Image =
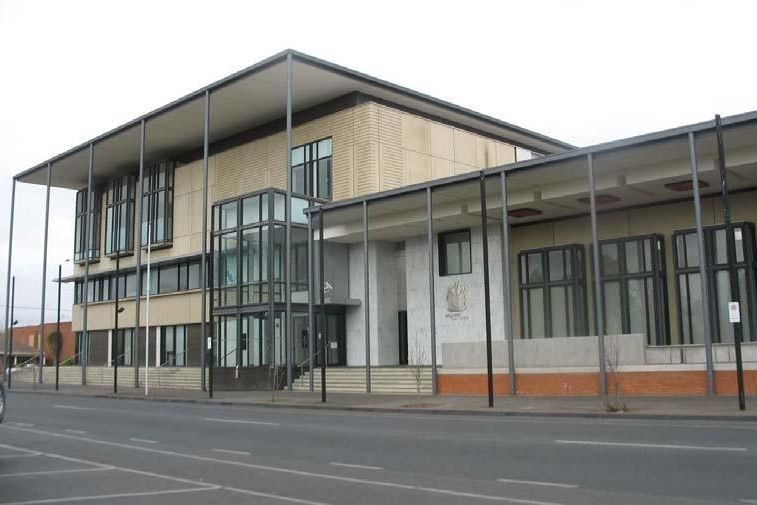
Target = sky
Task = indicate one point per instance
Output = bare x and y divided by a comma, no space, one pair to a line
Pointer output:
581,71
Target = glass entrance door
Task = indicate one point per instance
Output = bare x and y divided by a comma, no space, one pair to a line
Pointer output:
336,348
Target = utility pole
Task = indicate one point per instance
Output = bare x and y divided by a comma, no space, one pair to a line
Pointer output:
10,336
116,310
57,333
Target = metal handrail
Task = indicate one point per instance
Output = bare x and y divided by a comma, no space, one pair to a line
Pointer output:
63,363
176,356
301,365
24,362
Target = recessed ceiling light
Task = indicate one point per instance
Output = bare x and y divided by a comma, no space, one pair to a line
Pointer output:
600,199
524,212
687,185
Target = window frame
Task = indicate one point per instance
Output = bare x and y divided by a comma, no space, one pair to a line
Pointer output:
82,249
114,202
441,244
311,169
658,274
152,190
577,322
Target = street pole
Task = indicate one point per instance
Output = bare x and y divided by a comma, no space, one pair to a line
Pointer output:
115,331
731,253
147,302
57,333
10,337
322,318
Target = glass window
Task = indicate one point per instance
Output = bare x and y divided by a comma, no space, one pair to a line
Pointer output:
454,253
227,216
87,244
634,284
298,210
157,204
311,169
193,281
119,214
169,279
250,210
552,305
719,272
279,207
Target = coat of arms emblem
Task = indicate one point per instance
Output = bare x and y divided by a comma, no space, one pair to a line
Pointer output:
456,297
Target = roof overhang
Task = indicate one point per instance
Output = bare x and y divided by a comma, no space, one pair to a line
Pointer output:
248,99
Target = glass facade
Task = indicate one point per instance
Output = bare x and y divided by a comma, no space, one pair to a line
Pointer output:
119,216
87,242
311,169
157,204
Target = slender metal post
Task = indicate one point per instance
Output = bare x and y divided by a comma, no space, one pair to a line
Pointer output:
487,297
210,360
702,267
41,357
366,302
10,332
507,288
204,261
289,330
431,287
599,315
87,246
731,250
138,297
8,277
322,320
57,332
115,338
271,294
311,303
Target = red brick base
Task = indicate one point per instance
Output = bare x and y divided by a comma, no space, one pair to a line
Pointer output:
674,383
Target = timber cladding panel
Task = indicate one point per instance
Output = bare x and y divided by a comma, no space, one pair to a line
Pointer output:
375,148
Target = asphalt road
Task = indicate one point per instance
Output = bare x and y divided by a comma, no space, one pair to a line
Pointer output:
59,449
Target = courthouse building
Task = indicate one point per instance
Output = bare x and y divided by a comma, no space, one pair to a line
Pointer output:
436,228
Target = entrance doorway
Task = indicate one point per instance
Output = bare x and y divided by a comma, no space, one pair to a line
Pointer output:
402,329
336,341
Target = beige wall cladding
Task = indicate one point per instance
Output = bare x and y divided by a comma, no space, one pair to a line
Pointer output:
391,153
366,149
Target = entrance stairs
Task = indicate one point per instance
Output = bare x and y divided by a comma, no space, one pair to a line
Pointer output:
393,380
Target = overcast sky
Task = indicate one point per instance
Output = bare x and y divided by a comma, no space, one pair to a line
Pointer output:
582,72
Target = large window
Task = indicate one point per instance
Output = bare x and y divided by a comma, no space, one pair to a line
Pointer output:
552,292
173,345
119,216
157,204
718,271
634,287
454,253
87,242
311,169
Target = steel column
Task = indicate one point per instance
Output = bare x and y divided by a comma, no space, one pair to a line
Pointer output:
431,287
138,240
271,292
289,332
507,288
702,266
598,313
322,320
57,332
87,245
366,301
41,357
311,298
487,297
8,275
204,261
10,333
115,304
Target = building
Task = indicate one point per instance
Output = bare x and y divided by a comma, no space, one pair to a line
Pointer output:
26,344
296,166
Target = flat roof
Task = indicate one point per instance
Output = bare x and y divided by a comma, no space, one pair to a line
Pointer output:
253,97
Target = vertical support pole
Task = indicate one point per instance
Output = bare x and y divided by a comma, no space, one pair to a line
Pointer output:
702,268
115,338
271,292
41,357
287,256
87,246
10,332
8,364
599,315
311,303
57,332
138,297
487,297
204,261
322,320
431,287
507,287
731,252
366,301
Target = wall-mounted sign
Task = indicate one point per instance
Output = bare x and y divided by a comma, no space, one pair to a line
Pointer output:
457,301
734,314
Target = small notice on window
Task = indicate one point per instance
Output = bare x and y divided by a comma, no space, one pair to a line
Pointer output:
333,345
734,314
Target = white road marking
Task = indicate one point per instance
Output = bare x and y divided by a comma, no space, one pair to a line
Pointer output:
12,456
76,432
745,500
111,496
229,451
71,407
143,440
653,446
25,425
52,472
240,421
289,471
538,483
350,465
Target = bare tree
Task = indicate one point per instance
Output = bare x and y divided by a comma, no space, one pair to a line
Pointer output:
417,360
613,403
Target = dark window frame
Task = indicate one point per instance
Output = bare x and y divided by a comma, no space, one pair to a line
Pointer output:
577,322
442,240
657,272
82,249
711,269
311,167
152,191
115,203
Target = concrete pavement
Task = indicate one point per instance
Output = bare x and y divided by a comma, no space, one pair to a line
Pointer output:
98,450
